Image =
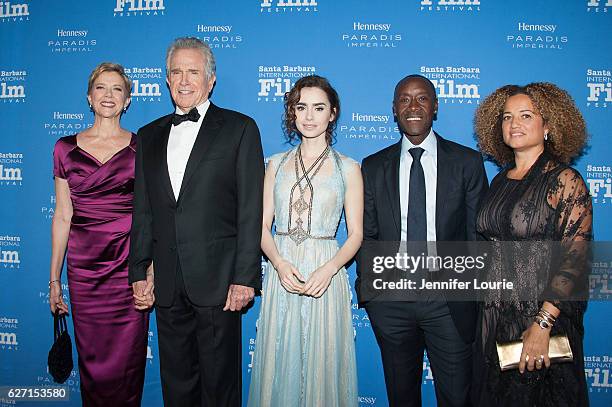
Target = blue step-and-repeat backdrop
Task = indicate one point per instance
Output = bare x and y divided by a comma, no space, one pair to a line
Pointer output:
467,48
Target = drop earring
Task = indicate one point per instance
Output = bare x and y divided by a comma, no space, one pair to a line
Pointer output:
545,136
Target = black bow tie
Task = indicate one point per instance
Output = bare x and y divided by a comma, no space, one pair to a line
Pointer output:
192,116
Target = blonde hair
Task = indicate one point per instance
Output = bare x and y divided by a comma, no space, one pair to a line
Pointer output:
109,67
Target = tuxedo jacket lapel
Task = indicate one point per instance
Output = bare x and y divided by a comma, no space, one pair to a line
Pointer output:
391,168
161,156
209,130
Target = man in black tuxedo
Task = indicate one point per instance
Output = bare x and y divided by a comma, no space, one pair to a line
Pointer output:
424,188
197,217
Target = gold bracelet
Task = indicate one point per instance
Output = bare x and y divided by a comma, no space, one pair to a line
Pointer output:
55,281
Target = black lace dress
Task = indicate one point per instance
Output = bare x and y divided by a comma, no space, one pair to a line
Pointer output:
551,203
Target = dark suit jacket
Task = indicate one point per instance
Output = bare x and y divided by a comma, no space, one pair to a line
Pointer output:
461,184
214,228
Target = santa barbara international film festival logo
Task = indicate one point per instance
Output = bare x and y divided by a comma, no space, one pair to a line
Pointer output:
450,5
9,327
530,36
600,279
599,84
365,125
9,252
147,83
371,35
132,8
220,36
10,169
288,6
597,372
598,6
12,12
599,181
12,86
276,80
457,85
68,40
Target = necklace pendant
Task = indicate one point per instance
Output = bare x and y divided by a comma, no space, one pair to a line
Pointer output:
298,234
300,206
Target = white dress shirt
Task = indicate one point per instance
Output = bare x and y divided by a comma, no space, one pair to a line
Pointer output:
429,161
180,144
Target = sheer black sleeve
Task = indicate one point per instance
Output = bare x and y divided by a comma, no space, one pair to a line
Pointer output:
568,278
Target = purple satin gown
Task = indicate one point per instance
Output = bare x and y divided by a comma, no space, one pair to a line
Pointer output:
110,335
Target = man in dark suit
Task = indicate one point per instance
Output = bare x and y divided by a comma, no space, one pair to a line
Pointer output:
424,188
197,217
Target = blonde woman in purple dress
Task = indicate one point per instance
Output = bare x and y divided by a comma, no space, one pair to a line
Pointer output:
94,181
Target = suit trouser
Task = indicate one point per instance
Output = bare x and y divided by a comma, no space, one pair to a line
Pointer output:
403,331
200,353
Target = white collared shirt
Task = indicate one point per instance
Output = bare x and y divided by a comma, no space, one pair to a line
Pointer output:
180,143
429,161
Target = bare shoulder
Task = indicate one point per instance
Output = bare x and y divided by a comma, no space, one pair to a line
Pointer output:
350,167
347,161
275,159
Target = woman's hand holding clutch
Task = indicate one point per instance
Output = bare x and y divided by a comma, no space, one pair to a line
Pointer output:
535,348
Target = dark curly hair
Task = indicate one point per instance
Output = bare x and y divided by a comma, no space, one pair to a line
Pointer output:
293,97
567,130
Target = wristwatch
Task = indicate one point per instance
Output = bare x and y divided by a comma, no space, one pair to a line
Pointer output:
544,324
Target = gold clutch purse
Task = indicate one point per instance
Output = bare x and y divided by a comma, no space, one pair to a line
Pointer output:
509,353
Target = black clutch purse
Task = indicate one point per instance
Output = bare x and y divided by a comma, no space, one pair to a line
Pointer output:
60,355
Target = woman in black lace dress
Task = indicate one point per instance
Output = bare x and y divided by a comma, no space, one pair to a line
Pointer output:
533,132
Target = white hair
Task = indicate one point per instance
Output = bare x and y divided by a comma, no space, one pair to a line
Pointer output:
193,43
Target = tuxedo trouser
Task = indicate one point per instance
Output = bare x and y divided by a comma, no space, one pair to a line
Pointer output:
200,352
403,331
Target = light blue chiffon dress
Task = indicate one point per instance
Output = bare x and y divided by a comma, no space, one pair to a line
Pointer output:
305,347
